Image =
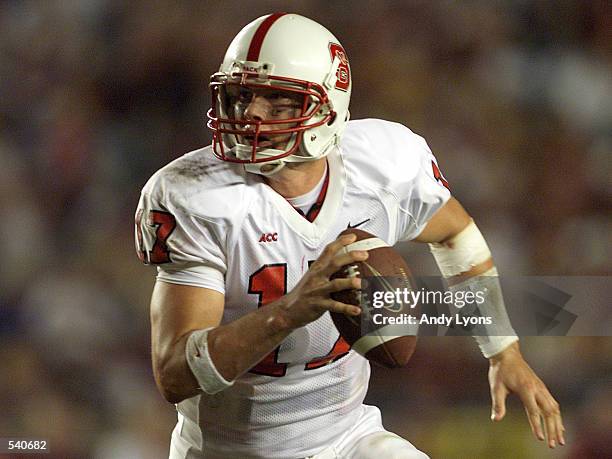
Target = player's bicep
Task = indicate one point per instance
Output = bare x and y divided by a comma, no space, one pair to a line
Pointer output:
447,222
178,309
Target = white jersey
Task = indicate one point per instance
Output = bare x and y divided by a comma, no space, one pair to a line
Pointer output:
210,224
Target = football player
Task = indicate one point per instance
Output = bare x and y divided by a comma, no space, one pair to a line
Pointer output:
244,235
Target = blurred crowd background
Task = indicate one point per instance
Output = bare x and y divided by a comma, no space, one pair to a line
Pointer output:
514,97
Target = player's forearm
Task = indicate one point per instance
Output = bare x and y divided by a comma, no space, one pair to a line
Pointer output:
239,345
173,377
465,262
233,348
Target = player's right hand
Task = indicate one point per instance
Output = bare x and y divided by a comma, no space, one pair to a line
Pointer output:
311,296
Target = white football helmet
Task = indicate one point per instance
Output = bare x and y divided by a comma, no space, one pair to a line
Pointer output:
302,59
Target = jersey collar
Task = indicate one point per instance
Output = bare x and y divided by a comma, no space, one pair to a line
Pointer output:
322,215
315,206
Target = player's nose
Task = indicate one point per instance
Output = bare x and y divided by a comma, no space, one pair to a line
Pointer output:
258,109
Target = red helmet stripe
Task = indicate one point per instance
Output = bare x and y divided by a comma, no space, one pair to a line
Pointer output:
260,34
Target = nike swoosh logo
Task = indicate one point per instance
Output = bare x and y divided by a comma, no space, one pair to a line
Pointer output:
358,224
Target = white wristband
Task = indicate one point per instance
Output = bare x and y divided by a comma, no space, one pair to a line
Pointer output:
202,367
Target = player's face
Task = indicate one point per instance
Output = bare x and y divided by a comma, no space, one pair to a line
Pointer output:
265,104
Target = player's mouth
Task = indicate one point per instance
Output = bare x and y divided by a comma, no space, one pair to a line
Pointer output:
262,141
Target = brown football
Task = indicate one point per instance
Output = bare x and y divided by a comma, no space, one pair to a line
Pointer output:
384,271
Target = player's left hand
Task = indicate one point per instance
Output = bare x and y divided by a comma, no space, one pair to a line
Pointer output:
508,372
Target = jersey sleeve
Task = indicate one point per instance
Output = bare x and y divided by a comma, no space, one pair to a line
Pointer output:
423,193
187,249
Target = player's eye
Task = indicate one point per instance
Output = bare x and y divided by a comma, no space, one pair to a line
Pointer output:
282,109
275,96
245,95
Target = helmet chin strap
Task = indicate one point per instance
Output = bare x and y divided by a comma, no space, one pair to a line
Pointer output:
266,169
269,168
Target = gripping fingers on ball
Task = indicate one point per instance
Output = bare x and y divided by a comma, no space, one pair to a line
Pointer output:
345,259
333,247
342,308
339,284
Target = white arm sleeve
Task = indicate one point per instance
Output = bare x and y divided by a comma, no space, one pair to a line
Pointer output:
422,194
196,276
187,249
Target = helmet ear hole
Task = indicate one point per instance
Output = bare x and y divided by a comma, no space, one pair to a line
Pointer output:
334,115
